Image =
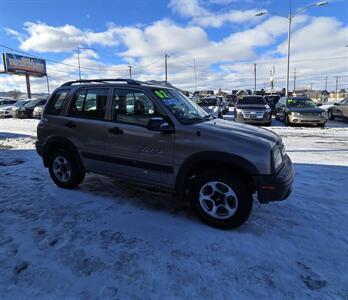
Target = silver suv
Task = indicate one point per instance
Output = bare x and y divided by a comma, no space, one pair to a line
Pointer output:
155,135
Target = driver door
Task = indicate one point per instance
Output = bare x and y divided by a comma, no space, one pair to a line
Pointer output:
134,151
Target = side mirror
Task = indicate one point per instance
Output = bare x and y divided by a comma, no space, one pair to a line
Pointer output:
159,124
336,103
319,104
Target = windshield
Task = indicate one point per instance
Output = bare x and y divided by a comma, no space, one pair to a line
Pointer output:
251,100
185,110
20,103
301,103
208,102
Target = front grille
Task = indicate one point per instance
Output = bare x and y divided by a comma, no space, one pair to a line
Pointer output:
253,114
310,114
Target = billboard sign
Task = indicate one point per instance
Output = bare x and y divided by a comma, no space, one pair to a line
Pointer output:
21,65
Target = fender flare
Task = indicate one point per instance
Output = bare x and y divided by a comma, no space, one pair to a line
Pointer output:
64,143
211,156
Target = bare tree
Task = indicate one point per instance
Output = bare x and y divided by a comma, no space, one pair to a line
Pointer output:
14,94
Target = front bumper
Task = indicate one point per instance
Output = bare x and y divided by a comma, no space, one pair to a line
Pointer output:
253,118
314,119
25,113
278,186
39,148
5,113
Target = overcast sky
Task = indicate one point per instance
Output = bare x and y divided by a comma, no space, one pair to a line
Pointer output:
223,37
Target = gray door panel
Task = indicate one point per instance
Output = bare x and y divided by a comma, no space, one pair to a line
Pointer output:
140,153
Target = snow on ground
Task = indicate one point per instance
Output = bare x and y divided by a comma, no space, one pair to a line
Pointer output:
109,240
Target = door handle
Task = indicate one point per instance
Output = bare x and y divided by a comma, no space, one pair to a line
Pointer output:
70,124
116,130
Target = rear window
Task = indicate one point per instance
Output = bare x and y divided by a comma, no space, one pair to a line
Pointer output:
251,100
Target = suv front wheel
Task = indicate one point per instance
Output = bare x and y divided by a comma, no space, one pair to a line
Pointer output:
64,170
221,199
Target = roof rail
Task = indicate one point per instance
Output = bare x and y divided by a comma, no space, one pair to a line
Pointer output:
128,81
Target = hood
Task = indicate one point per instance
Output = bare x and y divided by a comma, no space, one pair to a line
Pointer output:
5,107
251,106
249,132
305,109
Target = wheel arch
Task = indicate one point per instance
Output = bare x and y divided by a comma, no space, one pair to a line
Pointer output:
57,142
209,160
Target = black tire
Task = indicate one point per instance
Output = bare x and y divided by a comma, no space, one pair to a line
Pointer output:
287,121
76,174
322,125
235,183
330,115
276,117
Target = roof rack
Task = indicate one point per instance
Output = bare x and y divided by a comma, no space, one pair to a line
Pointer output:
128,81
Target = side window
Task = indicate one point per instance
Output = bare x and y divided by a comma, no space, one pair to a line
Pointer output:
56,104
89,104
133,107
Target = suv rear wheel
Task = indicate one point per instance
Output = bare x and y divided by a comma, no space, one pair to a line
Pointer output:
221,199
64,170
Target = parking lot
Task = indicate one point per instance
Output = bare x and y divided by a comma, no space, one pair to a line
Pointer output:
109,239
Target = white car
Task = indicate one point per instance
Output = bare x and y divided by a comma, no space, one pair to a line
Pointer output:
6,111
38,111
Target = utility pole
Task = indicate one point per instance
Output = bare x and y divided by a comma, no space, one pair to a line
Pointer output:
255,79
166,67
326,83
130,72
27,79
294,81
194,67
336,87
78,59
289,47
311,86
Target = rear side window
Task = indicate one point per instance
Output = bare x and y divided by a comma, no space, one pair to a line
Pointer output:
89,104
57,102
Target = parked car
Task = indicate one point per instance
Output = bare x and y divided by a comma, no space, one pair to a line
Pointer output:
253,110
338,110
26,111
162,140
212,105
17,106
300,110
6,110
272,101
231,100
38,111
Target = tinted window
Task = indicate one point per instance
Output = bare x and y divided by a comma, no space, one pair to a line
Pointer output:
89,104
56,104
133,107
251,100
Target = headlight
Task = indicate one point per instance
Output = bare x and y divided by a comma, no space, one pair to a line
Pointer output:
277,157
239,111
324,114
296,114
268,109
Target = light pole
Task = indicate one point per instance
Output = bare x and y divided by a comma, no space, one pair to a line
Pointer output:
290,18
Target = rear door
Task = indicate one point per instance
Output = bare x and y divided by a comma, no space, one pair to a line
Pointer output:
133,151
85,127
344,108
